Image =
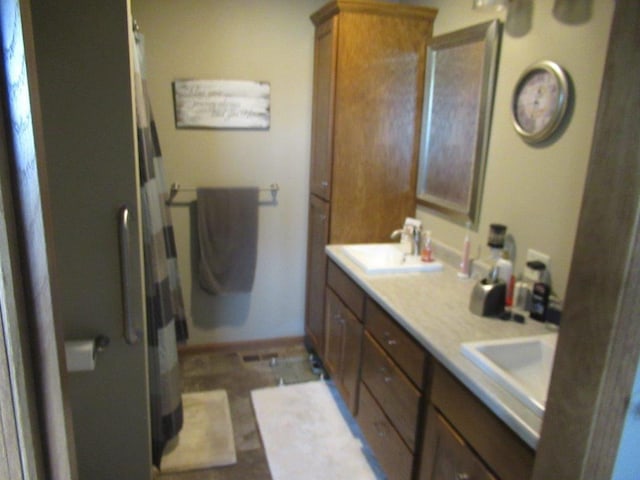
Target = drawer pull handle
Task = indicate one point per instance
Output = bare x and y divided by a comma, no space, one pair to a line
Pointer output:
462,476
380,429
388,339
324,184
388,379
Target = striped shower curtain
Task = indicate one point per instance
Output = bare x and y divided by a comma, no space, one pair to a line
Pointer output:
166,323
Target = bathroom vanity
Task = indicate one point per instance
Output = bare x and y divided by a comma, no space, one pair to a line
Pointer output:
427,411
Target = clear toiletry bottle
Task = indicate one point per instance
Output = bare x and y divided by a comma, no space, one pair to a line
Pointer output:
427,249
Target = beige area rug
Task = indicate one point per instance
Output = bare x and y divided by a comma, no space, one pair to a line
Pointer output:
305,436
206,438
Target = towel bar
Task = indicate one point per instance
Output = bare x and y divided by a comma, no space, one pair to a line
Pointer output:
177,188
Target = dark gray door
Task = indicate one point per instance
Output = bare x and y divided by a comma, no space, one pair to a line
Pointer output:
83,55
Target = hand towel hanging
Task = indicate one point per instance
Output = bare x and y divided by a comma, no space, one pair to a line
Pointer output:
228,239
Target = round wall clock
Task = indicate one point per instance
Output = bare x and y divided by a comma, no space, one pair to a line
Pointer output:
540,101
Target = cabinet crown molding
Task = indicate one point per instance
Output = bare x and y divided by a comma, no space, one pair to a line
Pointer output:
372,7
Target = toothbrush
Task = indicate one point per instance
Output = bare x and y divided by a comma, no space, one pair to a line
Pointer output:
466,247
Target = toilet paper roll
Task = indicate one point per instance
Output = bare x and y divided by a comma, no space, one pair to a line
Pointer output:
81,355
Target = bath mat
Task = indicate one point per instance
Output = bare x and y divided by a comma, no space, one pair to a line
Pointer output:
206,438
305,436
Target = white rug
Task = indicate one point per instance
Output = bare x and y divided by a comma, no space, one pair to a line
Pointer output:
305,436
206,438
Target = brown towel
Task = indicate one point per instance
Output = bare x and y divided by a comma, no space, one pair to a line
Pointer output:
228,238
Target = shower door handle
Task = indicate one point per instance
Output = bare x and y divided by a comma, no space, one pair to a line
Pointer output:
131,334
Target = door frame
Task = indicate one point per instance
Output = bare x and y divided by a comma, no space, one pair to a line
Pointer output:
599,343
33,338
30,311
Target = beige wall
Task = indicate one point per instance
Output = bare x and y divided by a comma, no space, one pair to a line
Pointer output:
535,191
250,40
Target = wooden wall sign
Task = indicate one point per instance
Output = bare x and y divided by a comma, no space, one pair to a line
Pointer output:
222,104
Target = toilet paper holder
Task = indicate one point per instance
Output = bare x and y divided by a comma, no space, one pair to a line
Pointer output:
100,344
81,354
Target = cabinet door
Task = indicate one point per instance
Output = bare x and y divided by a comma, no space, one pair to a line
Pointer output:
322,120
343,344
445,456
316,272
379,66
334,335
351,355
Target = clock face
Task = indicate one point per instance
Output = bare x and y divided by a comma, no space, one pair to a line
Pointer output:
540,101
537,101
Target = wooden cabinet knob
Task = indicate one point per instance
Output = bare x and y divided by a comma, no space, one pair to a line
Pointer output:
389,339
381,429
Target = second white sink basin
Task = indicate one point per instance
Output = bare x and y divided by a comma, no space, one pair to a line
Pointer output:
521,365
387,258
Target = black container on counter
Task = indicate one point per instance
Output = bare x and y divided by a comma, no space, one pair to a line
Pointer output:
539,301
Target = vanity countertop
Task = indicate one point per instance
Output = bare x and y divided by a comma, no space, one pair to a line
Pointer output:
434,308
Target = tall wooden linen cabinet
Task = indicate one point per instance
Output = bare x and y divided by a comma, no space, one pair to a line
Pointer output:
367,94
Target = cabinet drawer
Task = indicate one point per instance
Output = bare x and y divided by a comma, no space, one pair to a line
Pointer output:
350,293
400,346
507,455
392,454
397,396
445,454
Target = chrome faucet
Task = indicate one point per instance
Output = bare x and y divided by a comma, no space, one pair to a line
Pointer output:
415,235
397,233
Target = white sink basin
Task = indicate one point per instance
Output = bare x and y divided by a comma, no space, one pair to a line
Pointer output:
387,258
521,365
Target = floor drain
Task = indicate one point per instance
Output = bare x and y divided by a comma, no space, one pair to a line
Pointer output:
251,358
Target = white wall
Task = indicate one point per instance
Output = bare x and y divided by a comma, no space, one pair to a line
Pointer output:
250,40
535,191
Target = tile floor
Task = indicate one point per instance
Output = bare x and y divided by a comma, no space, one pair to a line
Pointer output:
239,373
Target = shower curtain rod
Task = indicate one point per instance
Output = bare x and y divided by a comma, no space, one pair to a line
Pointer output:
177,188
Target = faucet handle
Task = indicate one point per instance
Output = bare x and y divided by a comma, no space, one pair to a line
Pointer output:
412,222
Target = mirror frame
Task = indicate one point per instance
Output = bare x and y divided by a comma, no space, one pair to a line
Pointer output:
457,63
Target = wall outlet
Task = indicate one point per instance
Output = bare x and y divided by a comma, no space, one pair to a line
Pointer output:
533,255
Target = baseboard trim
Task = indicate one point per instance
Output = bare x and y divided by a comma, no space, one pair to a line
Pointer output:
263,344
